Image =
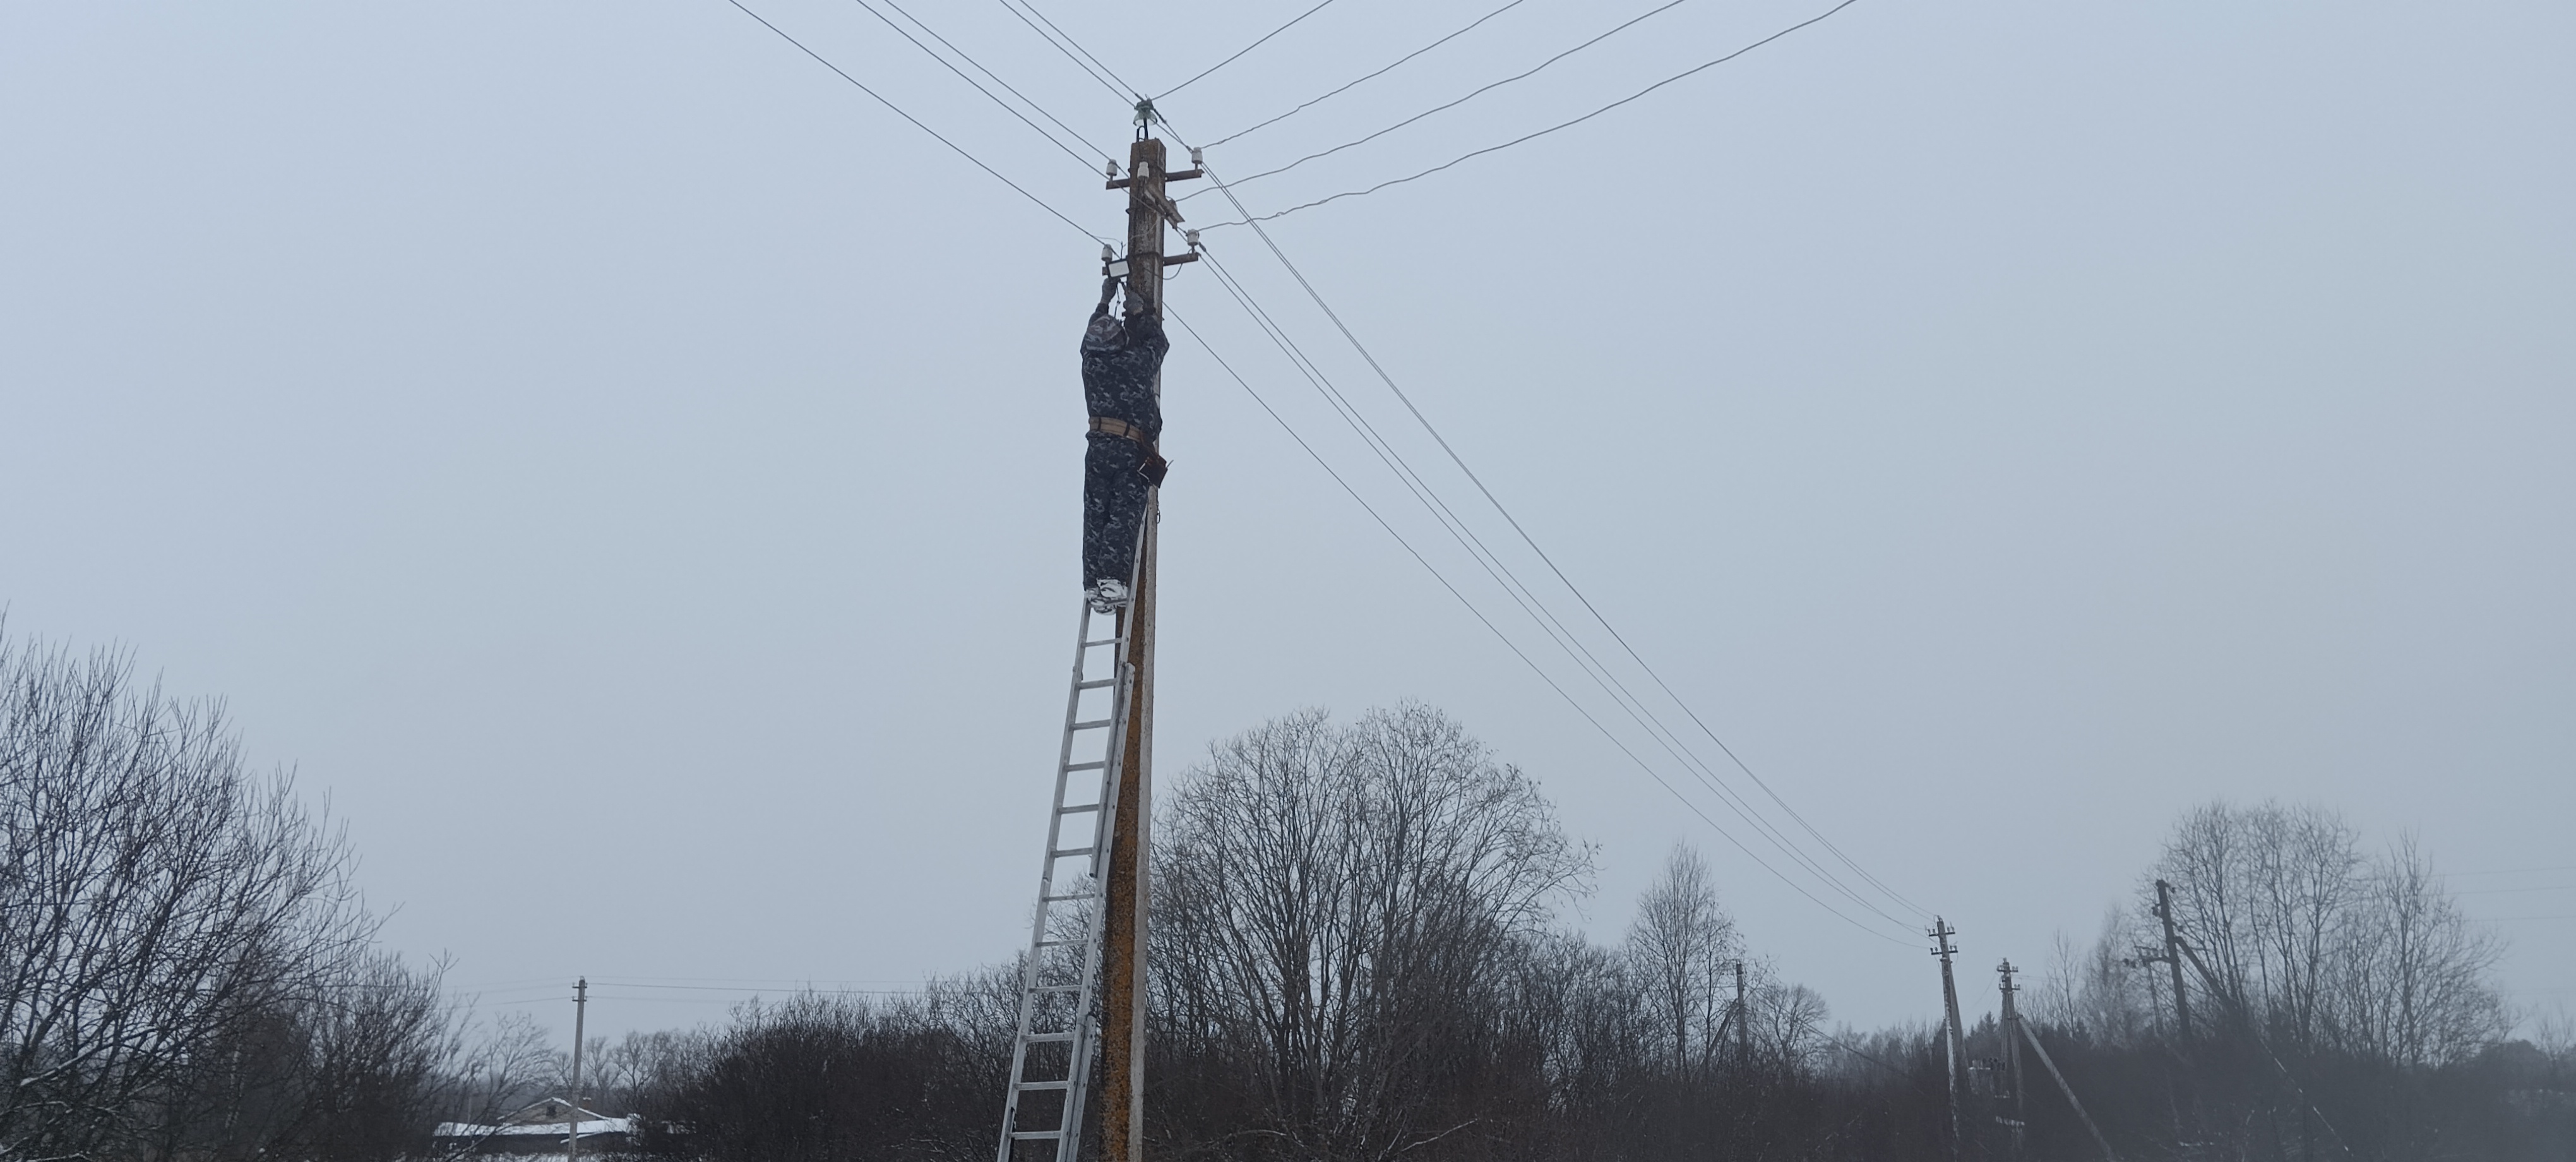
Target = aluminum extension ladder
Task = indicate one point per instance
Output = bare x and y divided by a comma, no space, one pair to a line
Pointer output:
1061,973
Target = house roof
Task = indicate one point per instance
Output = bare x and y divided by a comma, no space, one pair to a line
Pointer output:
540,1119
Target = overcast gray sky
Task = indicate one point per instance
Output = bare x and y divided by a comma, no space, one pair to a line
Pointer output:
635,475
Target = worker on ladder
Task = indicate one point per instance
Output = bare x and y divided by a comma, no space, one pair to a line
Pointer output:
1122,363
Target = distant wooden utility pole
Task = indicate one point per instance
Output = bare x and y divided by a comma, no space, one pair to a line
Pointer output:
2173,958
1941,947
1122,1007
2012,1059
580,1009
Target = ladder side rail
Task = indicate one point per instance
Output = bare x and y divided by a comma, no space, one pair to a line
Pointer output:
1031,964
1086,1023
1105,828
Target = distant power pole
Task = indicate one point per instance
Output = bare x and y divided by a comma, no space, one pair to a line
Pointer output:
1941,947
580,1009
1743,1023
2173,959
2012,1055
1122,1011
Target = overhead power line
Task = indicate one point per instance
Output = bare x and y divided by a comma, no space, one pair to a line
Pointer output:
1535,606
1072,50
1238,55
1534,70
1069,131
1007,107
1370,77
917,122
1549,624
1818,18
2514,871
1481,618
1404,474
838,990
1568,582
1520,593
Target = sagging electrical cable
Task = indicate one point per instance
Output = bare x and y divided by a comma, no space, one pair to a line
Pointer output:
1534,70
1220,184
1085,61
1348,86
1238,55
918,124
1076,47
1702,772
970,81
1508,644
963,55
1768,791
1535,607
1249,218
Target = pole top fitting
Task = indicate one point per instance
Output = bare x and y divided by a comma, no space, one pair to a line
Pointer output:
1145,114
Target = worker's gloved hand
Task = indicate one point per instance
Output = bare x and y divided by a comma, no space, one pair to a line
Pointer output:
1108,290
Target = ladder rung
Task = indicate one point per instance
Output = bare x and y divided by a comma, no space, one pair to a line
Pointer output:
1077,808
1107,641
1032,1135
1095,684
1073,896
1059,988
1046,1085
1086,766
1071,852
1094,724
1045,1038
1051,943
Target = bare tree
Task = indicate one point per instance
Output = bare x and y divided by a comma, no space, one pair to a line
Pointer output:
2317,947
366,1085
2415,986
1681,946
2205,858
1343,906
157,904
2097,991
1787,1023
507,1061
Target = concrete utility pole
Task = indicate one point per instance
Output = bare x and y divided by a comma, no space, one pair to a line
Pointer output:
2012,1057
2173,959
1122,1010
1941,947
2071,1100
580,1009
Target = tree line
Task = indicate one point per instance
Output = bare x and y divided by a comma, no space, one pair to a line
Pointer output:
186,969
1362,953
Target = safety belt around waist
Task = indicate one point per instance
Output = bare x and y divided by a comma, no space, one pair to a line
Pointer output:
1109,427
1155,466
